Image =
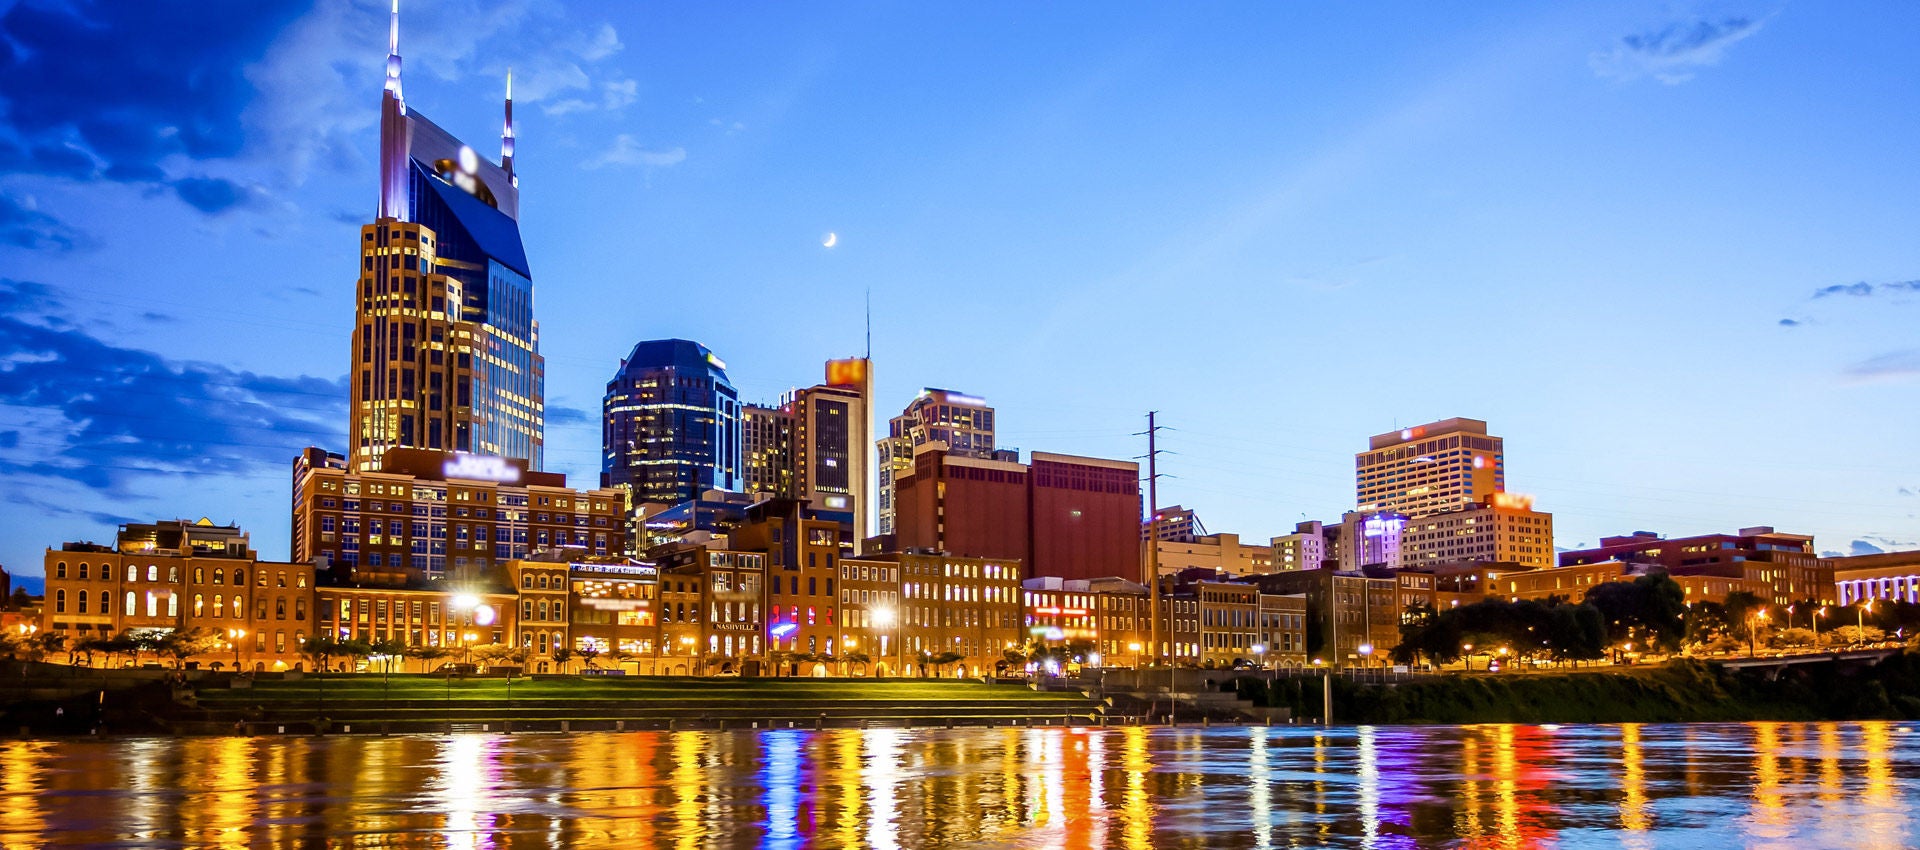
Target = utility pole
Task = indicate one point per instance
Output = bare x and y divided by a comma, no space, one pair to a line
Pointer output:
1153,535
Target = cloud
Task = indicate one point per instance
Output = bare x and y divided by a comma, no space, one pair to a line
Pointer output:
1672,53
215,196
1791,323
1863,289
626,151
562,415
23,225
1862,547
121,91
1894,364
321,77
92,412
1905,491
614,96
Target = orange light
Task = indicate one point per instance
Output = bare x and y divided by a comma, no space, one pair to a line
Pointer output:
847,373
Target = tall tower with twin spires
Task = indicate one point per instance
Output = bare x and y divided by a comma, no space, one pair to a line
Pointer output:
446,353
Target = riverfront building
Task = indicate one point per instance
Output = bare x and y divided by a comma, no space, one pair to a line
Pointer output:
444,515
182,576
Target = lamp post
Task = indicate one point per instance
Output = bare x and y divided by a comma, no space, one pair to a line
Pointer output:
1860,625
1260,655
1753,625
1817,614
234,637
1466,650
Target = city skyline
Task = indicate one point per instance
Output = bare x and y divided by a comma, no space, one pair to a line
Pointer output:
133,393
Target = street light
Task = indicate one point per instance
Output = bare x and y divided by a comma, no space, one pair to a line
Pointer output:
233,639
1759,617
1259,655
1467,648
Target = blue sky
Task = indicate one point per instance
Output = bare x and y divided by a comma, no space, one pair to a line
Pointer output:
1668,250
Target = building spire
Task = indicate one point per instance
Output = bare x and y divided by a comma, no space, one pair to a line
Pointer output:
506,133
393,52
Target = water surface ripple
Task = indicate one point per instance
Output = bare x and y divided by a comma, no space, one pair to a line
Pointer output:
1647,786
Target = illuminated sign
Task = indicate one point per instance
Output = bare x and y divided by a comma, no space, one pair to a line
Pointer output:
716,362
1515,501
481,468
602,604
847,373
838,503
616,569
783,630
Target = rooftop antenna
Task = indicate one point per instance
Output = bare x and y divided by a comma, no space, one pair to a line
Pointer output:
506,133
869,323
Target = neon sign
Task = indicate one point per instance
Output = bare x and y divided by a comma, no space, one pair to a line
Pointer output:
480,468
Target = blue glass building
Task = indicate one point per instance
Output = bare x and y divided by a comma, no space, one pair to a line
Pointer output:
671,424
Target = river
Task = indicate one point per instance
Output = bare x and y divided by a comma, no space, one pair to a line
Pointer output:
1780,785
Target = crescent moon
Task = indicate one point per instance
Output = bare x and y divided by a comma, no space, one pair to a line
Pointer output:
831,240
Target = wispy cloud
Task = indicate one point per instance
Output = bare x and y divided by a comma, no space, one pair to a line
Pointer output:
1673,53
1862,289
1896,364
83,409
614,96
23,225
627,151
1792,323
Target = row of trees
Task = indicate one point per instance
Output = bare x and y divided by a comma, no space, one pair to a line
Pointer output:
1650,610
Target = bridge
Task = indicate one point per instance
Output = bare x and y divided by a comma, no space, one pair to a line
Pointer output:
1777,663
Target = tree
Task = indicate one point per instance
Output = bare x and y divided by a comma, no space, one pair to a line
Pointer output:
388,650
1653,605
51,643
588,654
321,649
490,654
864,660
428,654
943,659
1855,634
562,655
187,644
22,600
138,641
1792,637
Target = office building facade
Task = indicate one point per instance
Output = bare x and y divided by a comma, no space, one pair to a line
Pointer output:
445,351
1429,468
670,424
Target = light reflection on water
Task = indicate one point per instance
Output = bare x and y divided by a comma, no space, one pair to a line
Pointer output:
1766,785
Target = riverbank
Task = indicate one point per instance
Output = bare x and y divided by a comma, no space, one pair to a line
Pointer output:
1682,691
364,703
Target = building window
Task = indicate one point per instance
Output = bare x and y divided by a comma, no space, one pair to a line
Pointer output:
60,570
133,573
60,596
153,572
82,606
132,601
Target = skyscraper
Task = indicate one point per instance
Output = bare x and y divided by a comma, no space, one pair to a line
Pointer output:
671,424
832,430
767,447
1426,469
963,422
446,354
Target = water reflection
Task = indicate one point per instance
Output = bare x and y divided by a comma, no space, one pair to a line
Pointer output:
1755,785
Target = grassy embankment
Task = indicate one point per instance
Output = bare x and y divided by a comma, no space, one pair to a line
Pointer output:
1681,691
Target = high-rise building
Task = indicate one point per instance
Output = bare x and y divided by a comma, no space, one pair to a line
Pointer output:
766,437
670,428
832,430
1501,527
963,423
446,354
1429,468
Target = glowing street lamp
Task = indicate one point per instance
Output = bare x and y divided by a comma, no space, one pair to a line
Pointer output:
888,618
1467,649
233,639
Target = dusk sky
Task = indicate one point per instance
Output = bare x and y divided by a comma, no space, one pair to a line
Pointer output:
1669,251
